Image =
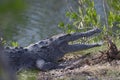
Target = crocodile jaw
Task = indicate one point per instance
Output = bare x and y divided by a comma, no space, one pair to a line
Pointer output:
66,47
66,38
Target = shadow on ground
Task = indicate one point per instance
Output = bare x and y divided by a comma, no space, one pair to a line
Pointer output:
104,65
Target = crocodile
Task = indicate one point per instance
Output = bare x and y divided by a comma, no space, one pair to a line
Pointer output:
45,54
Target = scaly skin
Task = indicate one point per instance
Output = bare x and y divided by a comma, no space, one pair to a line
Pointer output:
45,53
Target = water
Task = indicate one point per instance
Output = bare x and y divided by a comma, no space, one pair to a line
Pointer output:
42,18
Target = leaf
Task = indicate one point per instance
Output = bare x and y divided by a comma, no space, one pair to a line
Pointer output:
61,25
104,28
74,15
14,44
68,14
111,18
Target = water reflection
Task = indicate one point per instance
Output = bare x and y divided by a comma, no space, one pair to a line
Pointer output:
42,18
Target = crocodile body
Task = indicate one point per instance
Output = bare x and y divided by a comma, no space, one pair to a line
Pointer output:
44,55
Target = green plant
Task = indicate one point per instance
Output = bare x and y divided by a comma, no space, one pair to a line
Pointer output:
14,44
84,19
87,18
10,15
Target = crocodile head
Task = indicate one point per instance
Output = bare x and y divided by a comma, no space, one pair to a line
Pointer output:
62,40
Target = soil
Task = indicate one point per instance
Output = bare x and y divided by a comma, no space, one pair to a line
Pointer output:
104,65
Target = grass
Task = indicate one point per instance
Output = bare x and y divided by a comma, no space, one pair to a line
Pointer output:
27,75
32,74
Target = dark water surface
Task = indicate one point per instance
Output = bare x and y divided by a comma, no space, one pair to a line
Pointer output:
42,18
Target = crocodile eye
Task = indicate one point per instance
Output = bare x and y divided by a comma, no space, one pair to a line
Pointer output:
68,35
